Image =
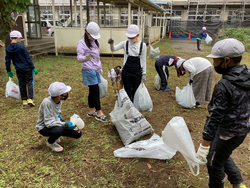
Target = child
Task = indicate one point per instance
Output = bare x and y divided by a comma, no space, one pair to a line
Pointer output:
50,123
227,124
23,64
200,36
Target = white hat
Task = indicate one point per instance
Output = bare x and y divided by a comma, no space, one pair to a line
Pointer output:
93,29
58,88
204,28
132,31
15,34
178,64
227,48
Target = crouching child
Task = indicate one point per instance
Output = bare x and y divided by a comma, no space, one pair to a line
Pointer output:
50,123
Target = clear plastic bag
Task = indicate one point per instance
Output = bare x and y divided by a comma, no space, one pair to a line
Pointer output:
157,82
142,99
185,97
208,39
154,148
77,121
103,87
154,53
177,136
12,90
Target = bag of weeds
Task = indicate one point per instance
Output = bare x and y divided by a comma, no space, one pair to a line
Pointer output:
129,122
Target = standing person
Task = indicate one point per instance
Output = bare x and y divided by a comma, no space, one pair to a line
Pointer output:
89,55
50,122
23,65
201,77
229,110
134,62
161,66
200,36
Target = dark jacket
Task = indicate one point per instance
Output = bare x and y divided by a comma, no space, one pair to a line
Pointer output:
19,56
201,34
229,108
167,60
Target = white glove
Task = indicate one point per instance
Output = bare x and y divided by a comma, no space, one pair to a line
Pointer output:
143,78
202,153
88,57
111,41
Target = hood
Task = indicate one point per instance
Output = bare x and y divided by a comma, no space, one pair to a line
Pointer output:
238,75
13,47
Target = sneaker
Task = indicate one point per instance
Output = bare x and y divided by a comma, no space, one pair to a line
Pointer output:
25,102
167,89
55,146
197,105
30,102
92,114
58,140
242,186
102,118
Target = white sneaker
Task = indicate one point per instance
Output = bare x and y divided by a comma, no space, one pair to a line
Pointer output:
55,146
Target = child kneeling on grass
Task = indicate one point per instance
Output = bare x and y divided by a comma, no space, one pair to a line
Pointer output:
50,123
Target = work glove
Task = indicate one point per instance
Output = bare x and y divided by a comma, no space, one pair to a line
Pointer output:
10,74
143,78
88,57
35,71
202,153
190,82
111,41
70,125
60,117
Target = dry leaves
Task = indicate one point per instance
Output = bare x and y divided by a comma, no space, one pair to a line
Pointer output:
89,160
66,158
47,174
149,166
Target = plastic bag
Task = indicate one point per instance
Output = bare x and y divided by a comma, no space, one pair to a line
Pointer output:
154,53
77,121
142,99
177,136
129,122
12,90
103,87
185,97
154,148
208,39
157,82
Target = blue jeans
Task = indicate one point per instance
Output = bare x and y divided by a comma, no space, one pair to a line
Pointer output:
219,161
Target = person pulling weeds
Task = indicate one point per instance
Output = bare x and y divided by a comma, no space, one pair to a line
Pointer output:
227,124
50,122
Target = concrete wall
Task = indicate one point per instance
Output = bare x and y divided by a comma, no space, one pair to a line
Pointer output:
154,33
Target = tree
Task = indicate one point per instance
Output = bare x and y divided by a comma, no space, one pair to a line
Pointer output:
9,8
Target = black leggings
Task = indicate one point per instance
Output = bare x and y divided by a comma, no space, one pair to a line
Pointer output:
25,79
55,132
94,97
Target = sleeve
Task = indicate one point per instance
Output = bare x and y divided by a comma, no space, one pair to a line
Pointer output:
144,58
119,46
7,61
49,119
204,34
190,68
28,59
81,56
217,109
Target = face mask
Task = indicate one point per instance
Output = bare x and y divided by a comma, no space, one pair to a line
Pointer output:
132,40
64,97
220,70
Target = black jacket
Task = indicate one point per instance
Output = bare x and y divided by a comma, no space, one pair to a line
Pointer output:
229,108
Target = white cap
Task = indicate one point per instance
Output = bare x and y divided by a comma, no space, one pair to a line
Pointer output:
180,61
15,34
132,31
227,48
93,29
58,88
204,28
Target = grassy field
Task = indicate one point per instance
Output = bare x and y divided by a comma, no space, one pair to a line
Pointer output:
26,161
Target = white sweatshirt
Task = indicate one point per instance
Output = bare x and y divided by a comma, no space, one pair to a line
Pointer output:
196,65
133,50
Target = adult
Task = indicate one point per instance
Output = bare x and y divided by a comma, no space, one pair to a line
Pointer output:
50,122
89,55
228,121
134,62
161,66
200,35
201,77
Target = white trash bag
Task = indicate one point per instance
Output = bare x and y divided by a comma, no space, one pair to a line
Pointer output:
154,53
177,136
129,122
142,99
185,97
12,90
208,39
103,87
154,148
157,82
77,121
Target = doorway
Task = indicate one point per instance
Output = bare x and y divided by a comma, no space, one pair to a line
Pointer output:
32,23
